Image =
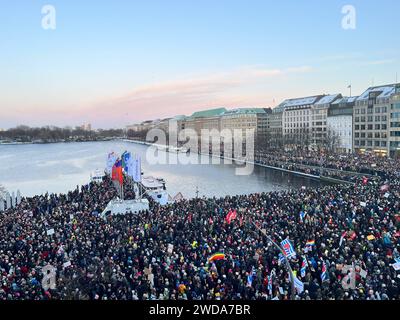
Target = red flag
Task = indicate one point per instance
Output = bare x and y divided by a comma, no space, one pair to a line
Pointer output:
117,172
232,215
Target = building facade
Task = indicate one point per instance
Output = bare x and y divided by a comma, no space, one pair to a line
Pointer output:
340,124
297,121
275,131
376,118
244,119
319,115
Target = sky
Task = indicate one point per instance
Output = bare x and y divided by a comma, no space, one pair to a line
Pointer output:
114,63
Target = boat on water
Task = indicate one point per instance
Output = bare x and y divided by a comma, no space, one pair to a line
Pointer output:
156,189
97,176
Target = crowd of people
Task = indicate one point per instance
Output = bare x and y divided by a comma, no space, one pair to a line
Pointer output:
345,166
338,232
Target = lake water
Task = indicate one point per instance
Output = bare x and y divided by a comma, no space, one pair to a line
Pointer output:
56,168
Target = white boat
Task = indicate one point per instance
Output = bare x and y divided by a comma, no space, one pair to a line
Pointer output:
97,176
155,188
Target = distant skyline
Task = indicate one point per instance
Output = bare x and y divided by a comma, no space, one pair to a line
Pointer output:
114,63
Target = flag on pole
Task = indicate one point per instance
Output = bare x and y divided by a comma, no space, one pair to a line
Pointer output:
125,160
137,174
288,248
310,243
324,273
298,285
270,284
111,159
117,172
304,265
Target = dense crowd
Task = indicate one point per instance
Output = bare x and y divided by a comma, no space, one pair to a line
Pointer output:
343,166
164,253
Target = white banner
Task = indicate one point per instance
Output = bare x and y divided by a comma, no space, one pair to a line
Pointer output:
110,162
137,175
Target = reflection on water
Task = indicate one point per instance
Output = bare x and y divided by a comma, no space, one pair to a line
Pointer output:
36,169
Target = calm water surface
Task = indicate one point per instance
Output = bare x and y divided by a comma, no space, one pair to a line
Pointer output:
57,168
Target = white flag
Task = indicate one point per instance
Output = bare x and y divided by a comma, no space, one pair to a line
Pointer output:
110,162
299,286
137,176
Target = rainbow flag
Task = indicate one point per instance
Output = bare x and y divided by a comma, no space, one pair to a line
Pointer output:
217,256
310,243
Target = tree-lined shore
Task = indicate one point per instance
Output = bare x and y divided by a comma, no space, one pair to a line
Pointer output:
25,134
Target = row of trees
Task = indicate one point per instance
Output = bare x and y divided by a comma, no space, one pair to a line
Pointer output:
56,134
301,140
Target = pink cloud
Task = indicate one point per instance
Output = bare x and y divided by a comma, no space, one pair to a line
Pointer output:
184,96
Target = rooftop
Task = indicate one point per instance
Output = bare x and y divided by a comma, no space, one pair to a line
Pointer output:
345,100
208,113
297,102
329,99
385,91
245,111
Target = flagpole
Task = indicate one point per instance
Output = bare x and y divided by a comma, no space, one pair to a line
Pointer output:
292,297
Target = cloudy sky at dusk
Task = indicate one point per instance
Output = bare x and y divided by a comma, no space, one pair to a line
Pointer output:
118,62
